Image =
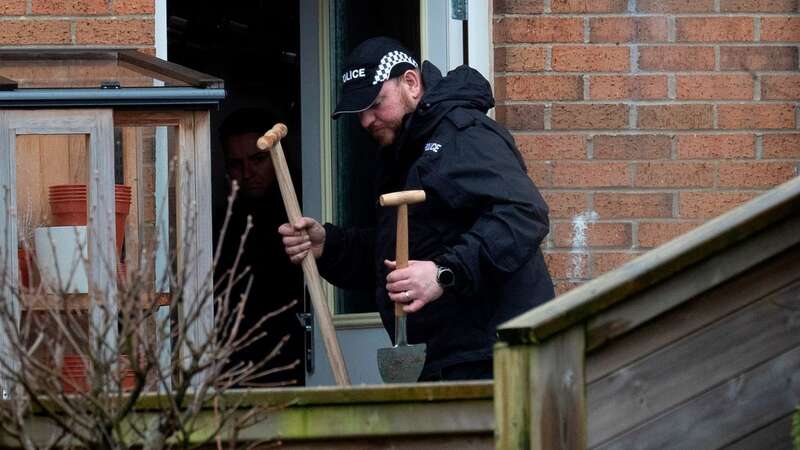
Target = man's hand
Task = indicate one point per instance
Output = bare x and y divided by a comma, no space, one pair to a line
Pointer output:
415,285
304,235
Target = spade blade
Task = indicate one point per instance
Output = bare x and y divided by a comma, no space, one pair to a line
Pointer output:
402,363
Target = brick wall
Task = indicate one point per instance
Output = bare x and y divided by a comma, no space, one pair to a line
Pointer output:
640,119
79,23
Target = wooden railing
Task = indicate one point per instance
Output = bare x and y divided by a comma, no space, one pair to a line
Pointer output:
540,361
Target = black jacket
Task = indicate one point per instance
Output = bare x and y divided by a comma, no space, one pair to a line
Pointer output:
483,218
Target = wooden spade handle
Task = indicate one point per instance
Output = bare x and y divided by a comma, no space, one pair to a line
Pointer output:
272,141
272,136
401,199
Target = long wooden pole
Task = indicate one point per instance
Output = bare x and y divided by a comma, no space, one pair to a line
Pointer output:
271,141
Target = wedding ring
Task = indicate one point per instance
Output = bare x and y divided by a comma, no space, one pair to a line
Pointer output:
408,296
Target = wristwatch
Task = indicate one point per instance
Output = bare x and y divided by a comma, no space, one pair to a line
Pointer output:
445,277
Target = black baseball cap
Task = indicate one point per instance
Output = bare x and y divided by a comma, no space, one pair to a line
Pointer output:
368,66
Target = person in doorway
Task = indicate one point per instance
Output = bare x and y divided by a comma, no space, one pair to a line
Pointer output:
275,283
474,242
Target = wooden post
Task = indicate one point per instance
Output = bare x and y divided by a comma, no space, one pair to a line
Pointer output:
540,393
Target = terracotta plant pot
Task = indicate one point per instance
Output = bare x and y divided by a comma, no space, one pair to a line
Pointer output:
68,206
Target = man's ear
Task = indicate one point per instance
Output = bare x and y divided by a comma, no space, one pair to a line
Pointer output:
413,81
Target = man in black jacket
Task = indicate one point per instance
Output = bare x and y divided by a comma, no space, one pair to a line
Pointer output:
474,242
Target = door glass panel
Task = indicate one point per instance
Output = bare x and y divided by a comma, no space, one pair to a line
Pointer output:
354,151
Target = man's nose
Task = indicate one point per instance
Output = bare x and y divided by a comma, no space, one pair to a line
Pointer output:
366,118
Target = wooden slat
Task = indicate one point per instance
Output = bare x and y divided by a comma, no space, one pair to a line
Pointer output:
8,238
688,283
299,416
655,266
731,410
539,395
170,70
33,209
75,146
204,251
132,149
654,384
775,436
45,302
7,84
694,315
147,118
102,250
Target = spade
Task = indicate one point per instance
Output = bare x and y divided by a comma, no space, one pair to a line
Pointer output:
402,363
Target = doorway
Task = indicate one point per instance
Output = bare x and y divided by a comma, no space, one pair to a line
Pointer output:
254,47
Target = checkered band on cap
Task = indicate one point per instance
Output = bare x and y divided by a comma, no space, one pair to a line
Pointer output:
388,62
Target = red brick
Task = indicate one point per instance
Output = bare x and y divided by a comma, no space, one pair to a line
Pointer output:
597,234
653,234
675,116
758,5
562,287
678,6
780,87
519,59
705,205
603,262
725,146
551,146
125,7
638,146
674,174
518,6
12,7
755,174
564,265
784,29
521,117
589,116
540,87
714,29
624,205
761,115
628,29
591,58
541,173
758,58
565,205
590,174
714,87
116,32
538,29
69,7
663,57
34,32
589,6
628,87
782,146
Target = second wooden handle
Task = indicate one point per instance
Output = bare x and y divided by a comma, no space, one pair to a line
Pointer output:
401,249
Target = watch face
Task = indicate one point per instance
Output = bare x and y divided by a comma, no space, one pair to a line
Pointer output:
445,277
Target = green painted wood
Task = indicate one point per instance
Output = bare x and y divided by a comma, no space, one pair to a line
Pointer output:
654,266
540,394
425,411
